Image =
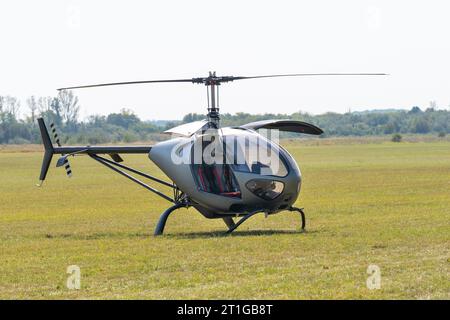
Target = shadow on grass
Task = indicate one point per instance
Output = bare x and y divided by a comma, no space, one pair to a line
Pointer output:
99,235
183,235
223,234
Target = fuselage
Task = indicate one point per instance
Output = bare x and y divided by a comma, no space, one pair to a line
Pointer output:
230,171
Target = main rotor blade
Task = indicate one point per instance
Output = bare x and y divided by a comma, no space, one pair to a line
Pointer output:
212,79
309,75
124,83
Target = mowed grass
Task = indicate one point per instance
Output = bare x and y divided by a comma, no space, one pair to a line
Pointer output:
382,203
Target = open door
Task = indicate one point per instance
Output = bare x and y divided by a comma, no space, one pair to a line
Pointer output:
284,125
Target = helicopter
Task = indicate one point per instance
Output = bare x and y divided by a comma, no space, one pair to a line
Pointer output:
229,173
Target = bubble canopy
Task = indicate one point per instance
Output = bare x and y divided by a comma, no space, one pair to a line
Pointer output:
218,154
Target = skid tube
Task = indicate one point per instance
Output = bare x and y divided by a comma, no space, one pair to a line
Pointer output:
302,214
163,218
228,220
233,226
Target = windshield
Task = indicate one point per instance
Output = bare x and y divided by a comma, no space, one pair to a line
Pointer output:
211,173
250,152
215,156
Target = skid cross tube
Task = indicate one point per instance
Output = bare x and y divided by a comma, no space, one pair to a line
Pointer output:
106,163
233,226
251,214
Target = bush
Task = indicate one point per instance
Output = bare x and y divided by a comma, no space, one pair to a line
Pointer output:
441,134
130,137
396,137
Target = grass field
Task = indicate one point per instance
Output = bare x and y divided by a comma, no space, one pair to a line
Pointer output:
386,204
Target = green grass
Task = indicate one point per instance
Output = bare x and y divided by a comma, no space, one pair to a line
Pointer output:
382,203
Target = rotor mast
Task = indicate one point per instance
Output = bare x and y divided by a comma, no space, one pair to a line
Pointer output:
212,86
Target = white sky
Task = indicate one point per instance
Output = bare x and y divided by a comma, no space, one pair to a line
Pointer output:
48,44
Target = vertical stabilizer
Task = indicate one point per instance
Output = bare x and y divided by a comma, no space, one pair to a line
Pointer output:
48,150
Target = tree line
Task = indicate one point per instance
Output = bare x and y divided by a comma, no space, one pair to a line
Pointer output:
126,126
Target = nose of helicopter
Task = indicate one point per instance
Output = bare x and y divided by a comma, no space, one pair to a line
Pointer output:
270,192
292,186
291,191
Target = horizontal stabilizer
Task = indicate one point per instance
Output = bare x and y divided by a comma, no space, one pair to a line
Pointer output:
116,157
61,161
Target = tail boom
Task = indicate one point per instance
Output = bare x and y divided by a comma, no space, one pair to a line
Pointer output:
50,150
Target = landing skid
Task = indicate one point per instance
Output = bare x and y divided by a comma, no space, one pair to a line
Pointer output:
162,220
233,226
302,214
228,220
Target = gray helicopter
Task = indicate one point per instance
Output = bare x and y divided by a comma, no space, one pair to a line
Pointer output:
224,173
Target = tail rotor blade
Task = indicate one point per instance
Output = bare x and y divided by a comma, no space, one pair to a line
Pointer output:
68,168
55,135
66,161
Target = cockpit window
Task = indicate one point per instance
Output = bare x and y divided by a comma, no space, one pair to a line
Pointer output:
216,178
216,156
213,176
254,154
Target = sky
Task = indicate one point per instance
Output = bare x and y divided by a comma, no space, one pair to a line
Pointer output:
49,44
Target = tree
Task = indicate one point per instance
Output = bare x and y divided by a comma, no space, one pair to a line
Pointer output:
33,106
126,118
55,107
433,106
44,104
97,120
391,127
421,126
191,117
9,110
11,106
2,113
415,110
69,108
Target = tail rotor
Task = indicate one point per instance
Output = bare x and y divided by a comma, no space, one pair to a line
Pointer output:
66,161
50,151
